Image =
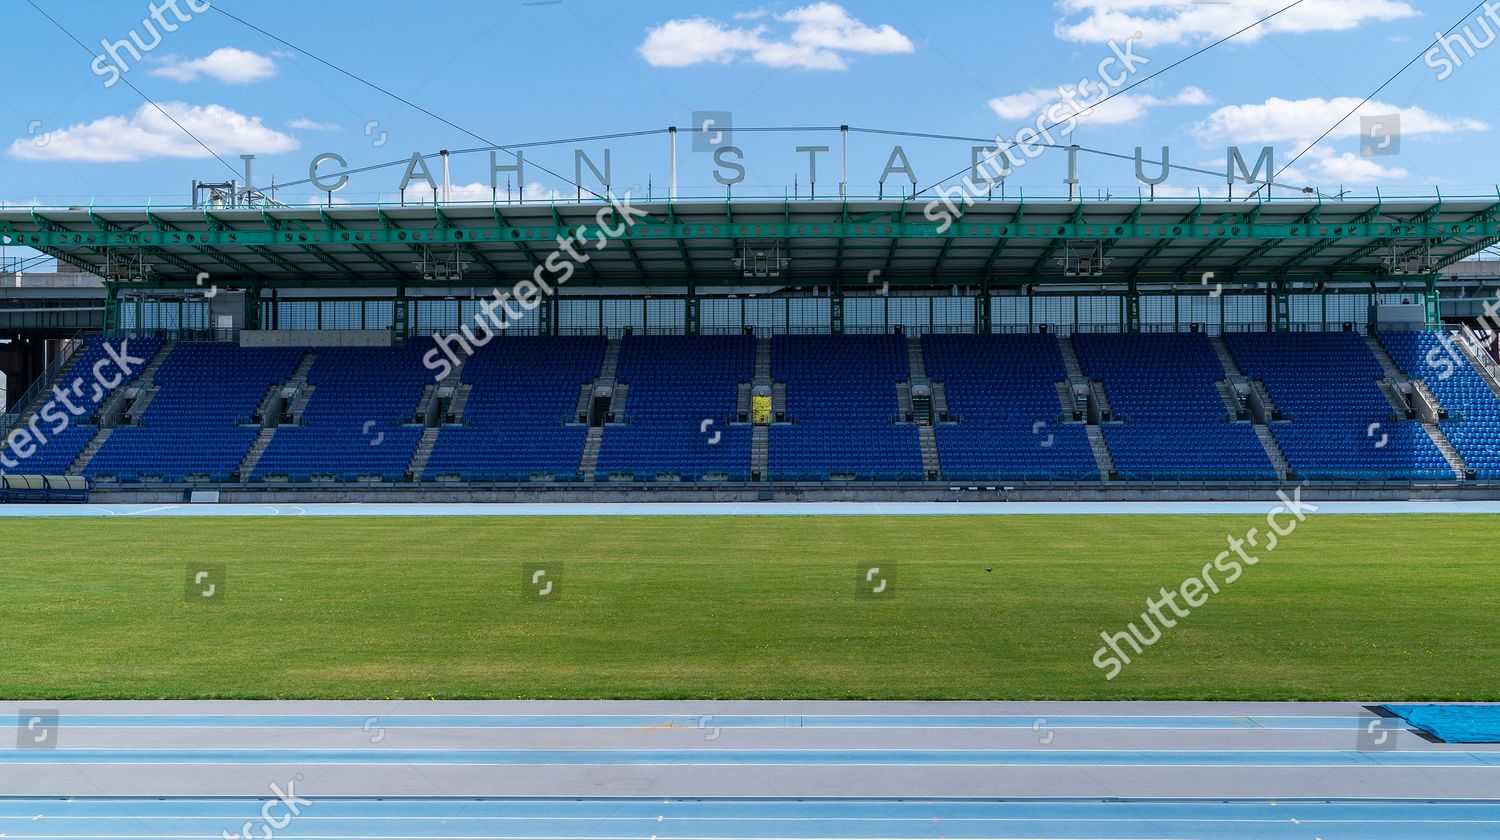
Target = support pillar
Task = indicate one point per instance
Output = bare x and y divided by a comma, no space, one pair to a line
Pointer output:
692,324
399,314
1281,300
546,315
1133,308
252,308
836,308
1434,310
984,316
111,308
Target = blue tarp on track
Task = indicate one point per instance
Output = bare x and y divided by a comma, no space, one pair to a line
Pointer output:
1453,724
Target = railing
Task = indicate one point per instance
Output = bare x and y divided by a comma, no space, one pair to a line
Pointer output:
43,384
1478,351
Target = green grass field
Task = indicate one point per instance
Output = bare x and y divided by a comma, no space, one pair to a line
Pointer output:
1348,607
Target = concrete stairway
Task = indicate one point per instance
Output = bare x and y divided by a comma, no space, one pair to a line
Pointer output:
1263,396
927,439
460,401
89,451
763,361
1393,398
611,363
1065,400
266,408
142,402
585,399
617,401
1101,397
257,449
1070,358
916,361
423,452
939,400
1102,459
110,410
1273,449
1427,402
144,388
1445,446
298,380
589,463
760,451
1478,357
1226,359
1387,364
1226,395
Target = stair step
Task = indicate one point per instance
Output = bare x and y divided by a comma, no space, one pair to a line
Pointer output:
914,359
257,449
94,445
1273,449
425,444
1450,453
1102,459
1070,358
760,451
589,463
1226,358
927,440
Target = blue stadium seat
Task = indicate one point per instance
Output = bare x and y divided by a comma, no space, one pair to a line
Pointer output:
358,421
1341,425
516,424
1002,392
1175,424
62,448
1473,425
677,383
197,423
841,397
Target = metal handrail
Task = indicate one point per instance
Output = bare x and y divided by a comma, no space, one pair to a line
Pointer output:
31,399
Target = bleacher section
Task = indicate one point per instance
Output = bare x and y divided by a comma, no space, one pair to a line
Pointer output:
197,424
841,399
1175,424
1473,424
518,416
518,421
681,400
58,453
358,421
1002,394
1342,426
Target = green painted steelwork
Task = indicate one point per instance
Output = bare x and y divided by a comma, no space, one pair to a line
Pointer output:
163,236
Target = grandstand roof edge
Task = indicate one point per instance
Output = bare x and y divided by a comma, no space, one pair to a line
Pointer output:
826,241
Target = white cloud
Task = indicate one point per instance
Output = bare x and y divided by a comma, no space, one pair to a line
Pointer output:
1176,22
1349,168
304,124
227,64
1123,108
147,133
1303,120
419,192
822,35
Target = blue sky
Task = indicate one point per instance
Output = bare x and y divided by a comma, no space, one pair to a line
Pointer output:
520,72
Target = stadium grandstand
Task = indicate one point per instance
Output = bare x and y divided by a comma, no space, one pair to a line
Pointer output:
755,349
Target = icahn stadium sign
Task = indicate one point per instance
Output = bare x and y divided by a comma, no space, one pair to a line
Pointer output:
987,166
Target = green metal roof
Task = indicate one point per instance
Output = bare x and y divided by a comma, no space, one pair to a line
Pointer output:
827,242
